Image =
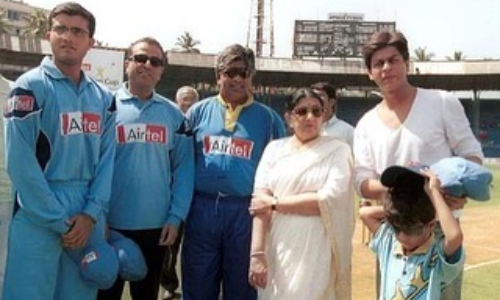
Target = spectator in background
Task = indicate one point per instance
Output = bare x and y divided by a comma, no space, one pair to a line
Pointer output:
303,207
332,125
59,131
409,124
231,131
185,97
154,165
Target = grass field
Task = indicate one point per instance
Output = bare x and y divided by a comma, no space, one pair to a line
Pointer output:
480,224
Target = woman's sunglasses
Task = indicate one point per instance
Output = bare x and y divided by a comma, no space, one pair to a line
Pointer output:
303,111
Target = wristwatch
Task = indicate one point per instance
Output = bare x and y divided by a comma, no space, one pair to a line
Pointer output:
274,203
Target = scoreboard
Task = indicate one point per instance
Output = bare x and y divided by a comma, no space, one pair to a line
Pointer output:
334,38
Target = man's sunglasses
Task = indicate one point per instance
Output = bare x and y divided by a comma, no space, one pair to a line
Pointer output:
303,111
233,72
143,58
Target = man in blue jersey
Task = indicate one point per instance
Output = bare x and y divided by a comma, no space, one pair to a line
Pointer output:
59,129
154,164
231,131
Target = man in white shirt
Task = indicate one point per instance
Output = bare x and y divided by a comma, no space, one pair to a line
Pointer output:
410,124
332,125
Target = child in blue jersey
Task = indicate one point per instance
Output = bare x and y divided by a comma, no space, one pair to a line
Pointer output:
414,263
59,131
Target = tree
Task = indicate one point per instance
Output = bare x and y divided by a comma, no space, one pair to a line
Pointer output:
99,43
421,54
187,43
4,22
457,56
37,24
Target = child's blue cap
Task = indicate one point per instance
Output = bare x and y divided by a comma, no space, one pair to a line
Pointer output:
459,177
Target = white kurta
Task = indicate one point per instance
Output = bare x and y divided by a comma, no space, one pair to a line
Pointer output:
436,127
309,257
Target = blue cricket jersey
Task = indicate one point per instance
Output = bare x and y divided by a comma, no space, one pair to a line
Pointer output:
227,152
419,276
154,165
58,134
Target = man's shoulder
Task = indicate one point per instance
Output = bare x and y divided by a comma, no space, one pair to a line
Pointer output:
368,117
435,94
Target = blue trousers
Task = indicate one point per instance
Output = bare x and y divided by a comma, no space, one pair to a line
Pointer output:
37,267
216,249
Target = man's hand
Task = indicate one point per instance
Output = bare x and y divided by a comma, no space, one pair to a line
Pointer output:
455,203
168,235
81,227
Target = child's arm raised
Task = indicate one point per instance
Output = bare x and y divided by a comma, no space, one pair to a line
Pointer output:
372,216
453,236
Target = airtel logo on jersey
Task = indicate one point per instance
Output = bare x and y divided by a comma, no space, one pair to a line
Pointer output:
223,145
141,133
80,122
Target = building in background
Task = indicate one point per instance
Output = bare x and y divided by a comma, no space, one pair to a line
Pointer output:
17,14
341,36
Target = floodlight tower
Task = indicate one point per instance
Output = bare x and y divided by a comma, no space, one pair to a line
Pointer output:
261,28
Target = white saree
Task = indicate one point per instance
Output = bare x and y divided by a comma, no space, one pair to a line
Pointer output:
309,257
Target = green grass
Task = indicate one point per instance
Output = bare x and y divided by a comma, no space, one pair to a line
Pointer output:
482,283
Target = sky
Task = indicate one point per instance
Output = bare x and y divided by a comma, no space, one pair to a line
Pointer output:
442,26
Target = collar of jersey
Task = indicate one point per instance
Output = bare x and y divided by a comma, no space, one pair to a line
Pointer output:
123,94
231,114
51,69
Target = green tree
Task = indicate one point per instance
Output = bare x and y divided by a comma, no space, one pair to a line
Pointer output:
457,56
37,24
187,43
421,54
4,22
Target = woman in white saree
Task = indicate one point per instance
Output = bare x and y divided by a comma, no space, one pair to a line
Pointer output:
303,209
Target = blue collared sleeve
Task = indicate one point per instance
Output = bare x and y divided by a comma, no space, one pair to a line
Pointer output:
182,163
97,201
22,133
279,129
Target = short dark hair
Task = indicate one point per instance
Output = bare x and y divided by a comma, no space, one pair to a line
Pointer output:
382,39
300,94
328,88
408,206
232,53
150,41
73,9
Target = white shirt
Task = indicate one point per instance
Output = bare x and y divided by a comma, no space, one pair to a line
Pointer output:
339,129
436,127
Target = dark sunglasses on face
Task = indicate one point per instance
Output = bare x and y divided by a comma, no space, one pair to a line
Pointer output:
143,58
76,31
303,111
233,72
